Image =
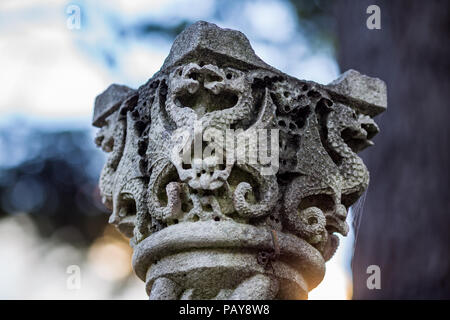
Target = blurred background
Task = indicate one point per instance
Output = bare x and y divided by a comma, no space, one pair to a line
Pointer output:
53,65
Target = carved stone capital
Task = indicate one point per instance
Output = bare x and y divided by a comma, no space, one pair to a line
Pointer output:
230,177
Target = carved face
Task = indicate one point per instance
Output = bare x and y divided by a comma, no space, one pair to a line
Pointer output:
204,99
110,140
356,129
215,96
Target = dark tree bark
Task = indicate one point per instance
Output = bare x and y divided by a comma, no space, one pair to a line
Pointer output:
405,224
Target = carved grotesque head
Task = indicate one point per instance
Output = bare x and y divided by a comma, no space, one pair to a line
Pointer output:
220,151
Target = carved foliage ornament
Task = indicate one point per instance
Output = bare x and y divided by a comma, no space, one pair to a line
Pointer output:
202,228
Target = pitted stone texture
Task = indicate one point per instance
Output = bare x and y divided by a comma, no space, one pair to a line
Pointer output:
202,229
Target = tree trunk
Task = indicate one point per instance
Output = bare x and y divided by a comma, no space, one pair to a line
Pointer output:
405,225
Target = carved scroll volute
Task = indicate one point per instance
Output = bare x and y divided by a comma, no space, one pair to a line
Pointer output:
206,222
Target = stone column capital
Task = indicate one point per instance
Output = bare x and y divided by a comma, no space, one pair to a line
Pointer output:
231,177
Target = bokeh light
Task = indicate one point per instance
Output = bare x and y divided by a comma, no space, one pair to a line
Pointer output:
51,216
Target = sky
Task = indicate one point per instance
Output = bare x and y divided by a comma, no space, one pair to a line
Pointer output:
49,70
51,74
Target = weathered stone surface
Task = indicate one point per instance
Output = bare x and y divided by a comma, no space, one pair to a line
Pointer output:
108,102
213,209
368,95
225,45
